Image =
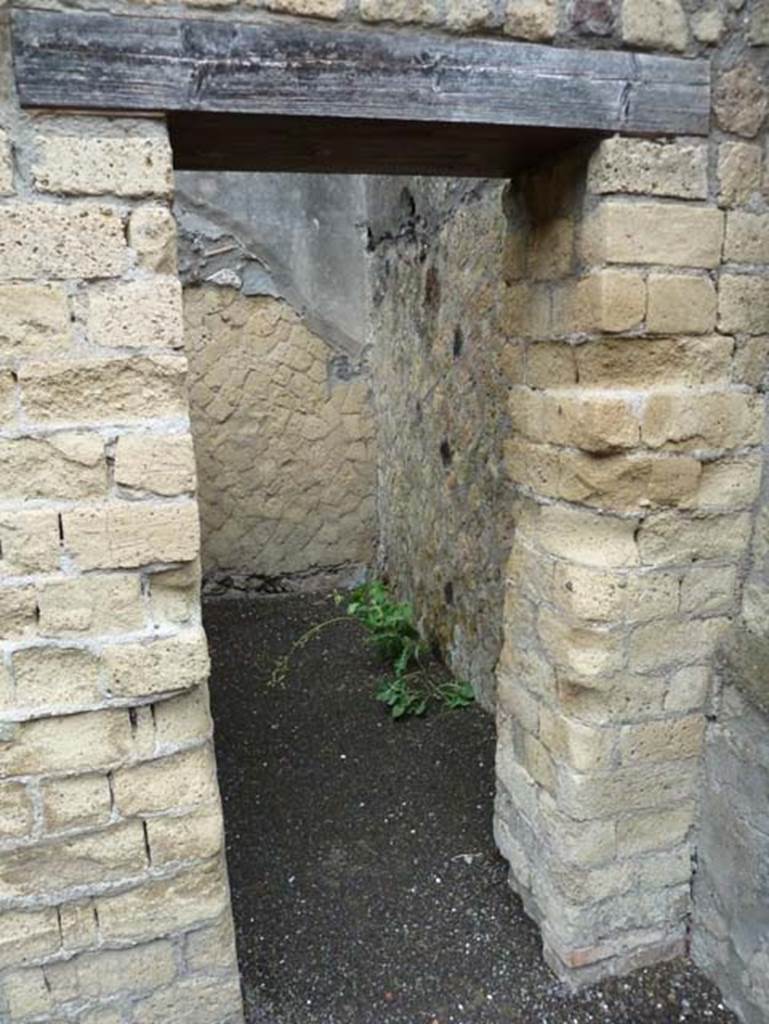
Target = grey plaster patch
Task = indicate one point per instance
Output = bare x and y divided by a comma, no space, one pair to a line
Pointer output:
257,280
299,237
730,936
744,664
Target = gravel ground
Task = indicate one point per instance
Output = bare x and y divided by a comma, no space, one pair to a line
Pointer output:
366,886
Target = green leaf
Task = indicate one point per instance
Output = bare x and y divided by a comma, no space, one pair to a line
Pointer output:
457,694
394,634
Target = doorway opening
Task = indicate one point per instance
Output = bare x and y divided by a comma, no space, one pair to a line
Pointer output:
350,377
313,311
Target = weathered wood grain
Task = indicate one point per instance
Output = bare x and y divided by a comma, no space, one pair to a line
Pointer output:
111,62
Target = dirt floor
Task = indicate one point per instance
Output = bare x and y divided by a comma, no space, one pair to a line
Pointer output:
366,886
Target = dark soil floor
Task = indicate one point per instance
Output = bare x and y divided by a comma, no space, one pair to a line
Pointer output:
366,886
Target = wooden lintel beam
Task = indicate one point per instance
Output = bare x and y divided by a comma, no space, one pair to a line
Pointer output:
184,65
255,142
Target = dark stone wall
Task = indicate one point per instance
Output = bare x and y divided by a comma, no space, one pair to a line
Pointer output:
731,890
440,363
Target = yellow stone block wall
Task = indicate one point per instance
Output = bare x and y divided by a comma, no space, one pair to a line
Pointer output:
114,902
637,446
636,314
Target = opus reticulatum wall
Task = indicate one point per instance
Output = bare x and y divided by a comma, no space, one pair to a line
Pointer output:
273,269
284,451
635,313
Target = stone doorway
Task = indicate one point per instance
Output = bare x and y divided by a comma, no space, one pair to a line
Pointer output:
628,300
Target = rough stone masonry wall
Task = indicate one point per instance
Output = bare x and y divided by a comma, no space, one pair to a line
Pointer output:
114,903
731,907
637,435
440,384
731,886
631,439
276,311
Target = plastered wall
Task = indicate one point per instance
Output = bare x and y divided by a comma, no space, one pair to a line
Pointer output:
633,316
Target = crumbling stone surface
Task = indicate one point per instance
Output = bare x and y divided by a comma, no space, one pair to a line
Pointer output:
660,24
43,240
650,168
96,166
152,236
423,12
740,100
34,319
534,20
313,8
471,15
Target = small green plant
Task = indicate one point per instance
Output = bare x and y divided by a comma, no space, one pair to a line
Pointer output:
405,697
413,689
390,624
415,686
401,698
456,693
